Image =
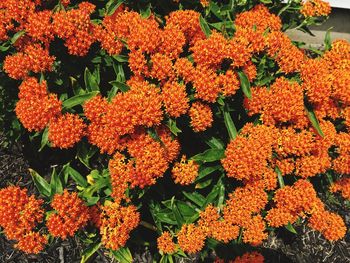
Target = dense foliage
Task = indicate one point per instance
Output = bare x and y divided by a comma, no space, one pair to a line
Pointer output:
185,126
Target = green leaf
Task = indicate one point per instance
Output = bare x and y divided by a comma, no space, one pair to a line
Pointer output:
204,26
76,176
121,58
55,184
314,121
215,143
165,218
245,84
176,212
87,253
204,171
195,197
328,40
85,152
172,127
123,255
78,99
230,126
210,155
145,13
204,184
119,85
44,139
4,47
91,83
280,177
41,184
17,36
290,228
113,5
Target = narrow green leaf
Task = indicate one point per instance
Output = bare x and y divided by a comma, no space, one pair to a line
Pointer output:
78,99
76,176
87,253
314,121
290,228
172,127
328,40
204,26
112,5
91,83
230,126
145,13
123,255
279,177
44,139
195,197
17,36
245,84
120,85
41,184
204,171
210,155
121,58
176,212
215,143
203,184
55,183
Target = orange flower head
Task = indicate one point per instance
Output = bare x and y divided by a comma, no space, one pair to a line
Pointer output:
175,99
32,243
165,243
342,186
185,172
117,223
191,238
250,257
71,215
312,8
65,131
331,225
201,116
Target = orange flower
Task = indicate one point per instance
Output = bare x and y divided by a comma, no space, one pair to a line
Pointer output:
201,116
331,225
71,215
191,238
165,243
205,84
188,22
185,172
315,8
94,108
162,67
255,231
121,174
172,42
19,212
65,131
342,186
117,223
228,83
32,243
175,99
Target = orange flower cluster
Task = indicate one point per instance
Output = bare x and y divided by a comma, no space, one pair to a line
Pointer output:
70,215
243,208
20,214
34,58
116,224
315,8
289,98
250,153
36,107
342,186
185,172
149,160
201,116
191,238
66,130
250,257
75,27
300,200
165,243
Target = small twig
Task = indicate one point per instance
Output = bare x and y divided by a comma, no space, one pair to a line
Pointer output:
60,254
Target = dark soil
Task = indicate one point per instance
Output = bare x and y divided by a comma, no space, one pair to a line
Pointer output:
281,247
